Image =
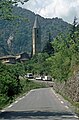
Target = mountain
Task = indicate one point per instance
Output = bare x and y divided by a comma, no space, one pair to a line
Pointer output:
16,35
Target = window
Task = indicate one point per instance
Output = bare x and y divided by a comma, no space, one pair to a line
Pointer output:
37,31
37,36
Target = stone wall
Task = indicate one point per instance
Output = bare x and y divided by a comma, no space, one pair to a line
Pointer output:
69,89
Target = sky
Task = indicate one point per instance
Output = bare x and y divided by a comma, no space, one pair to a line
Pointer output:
65,9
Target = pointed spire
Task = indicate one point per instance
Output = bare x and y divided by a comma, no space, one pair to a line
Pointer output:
36,23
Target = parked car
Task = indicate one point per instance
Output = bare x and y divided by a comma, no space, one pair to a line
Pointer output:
48,78
38,78
29,75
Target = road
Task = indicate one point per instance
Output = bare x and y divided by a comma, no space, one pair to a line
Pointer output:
39,104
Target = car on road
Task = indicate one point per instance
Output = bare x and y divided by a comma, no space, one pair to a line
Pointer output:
29,75
47,78
39,78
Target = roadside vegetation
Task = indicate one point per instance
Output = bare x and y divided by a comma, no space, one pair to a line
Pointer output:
13,84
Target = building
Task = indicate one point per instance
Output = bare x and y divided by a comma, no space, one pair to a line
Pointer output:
9,59
22,57
36,42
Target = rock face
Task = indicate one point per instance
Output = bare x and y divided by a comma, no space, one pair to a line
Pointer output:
69,89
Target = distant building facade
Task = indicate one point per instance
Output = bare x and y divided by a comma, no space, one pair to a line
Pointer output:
36,42
9,59
22,57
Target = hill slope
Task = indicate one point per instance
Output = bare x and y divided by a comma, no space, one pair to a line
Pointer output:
16,35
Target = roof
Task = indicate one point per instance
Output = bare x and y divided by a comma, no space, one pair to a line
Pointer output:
8,56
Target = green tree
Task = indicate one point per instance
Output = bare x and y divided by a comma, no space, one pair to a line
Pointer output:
48,48
74,29
9,79
6,8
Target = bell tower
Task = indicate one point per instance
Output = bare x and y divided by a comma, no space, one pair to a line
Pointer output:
36,39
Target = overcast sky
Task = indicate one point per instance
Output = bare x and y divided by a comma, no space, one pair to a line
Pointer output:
65,9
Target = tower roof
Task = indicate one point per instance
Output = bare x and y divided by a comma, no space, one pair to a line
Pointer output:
36,23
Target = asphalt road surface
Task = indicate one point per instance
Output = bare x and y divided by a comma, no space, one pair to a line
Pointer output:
39,104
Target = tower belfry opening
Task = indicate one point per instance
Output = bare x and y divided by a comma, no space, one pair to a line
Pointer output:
36,42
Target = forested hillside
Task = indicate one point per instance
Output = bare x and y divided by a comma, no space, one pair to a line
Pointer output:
16,34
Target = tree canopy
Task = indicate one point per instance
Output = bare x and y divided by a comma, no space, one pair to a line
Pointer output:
6,7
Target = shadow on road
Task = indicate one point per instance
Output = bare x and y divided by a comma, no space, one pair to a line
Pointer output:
33,115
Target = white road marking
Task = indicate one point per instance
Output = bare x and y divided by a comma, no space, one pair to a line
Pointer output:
68,116
62,102
57,96
23,97
10,106
53,91
28,93
32,90
20,98
15,102
76,116
59,99
2,110
67,107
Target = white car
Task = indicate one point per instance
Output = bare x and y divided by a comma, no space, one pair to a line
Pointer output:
38,78
48,78
29,75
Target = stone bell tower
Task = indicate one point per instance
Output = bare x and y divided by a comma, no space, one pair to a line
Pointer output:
36,39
